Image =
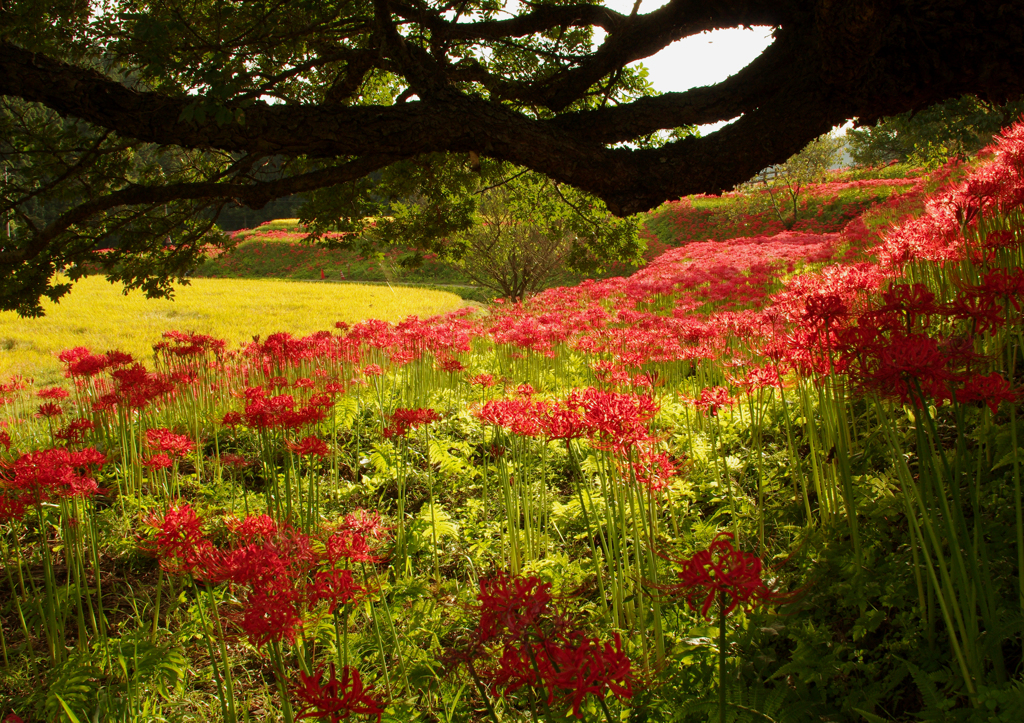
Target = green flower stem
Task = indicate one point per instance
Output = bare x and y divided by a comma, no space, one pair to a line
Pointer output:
721,656
591,532
380,643
17,597
1017,506
949,608
282,682
483,693
394,632
227,703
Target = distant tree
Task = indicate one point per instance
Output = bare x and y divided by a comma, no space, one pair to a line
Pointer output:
530,232
473,215
786,182
954,128
511,256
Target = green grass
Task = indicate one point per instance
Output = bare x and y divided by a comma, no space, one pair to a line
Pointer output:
98,316
285,256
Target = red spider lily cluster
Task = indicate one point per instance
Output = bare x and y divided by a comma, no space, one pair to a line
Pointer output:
537,647
325,696
615,420
51,474
403,420
164,440
721,573
281,576
310,447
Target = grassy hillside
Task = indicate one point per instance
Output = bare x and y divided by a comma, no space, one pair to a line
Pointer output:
822,208
277,249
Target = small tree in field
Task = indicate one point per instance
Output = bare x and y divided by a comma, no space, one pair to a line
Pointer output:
530,232
786,182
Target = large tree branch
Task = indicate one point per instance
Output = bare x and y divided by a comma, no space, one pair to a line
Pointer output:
831,61
539,20
639,37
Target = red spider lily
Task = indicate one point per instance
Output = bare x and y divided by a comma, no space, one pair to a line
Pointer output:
334,388
80,362
179,532
721,572
373,370
576,666
825,310
337,587
11,508
74,432
234,460
519,416
158,461
50,409
982,310
712,399
53,393
350,545
483,380
189,344
760,378
254,528
620,420
1000,239
15,384
991,390
450,364
251,564
655,470
333,699
310,447
323,401
510,606
903,363
913,301
271,613
164,440
367,524
564,421
5,439
231,419
56,472
136,387
1003,284
402,420
265,413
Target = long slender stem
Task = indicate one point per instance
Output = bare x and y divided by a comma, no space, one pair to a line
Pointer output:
721,657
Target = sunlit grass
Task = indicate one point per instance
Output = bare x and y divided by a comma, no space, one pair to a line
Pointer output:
98,316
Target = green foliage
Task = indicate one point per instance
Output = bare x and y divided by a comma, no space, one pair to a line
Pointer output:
785,183
929,137
48,165
117,680
504,228
530,232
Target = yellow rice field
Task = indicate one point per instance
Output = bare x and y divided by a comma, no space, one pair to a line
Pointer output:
99,316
